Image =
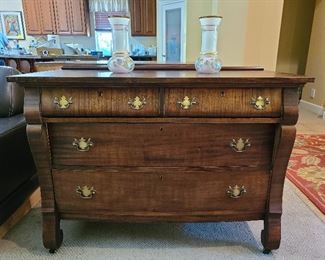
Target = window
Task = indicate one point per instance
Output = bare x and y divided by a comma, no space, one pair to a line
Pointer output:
103,31
104,42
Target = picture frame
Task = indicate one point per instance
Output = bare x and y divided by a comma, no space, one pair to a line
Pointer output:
12,25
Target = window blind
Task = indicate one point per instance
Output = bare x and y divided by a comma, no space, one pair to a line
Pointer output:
101,20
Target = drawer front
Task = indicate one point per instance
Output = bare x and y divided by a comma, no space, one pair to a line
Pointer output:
100,102
162,144
162,190
228,102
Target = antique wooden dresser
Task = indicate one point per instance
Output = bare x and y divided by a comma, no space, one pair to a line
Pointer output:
161,145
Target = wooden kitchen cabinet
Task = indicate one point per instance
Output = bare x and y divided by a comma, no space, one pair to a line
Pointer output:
79,17
63,17
32,18
47,16
143,17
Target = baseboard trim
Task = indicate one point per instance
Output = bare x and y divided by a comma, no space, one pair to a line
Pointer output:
316,109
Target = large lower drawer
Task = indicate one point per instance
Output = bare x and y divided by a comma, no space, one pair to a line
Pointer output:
100,102
223,102
162,144
160,190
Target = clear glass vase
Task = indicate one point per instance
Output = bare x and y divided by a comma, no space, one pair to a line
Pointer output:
120,62
208,61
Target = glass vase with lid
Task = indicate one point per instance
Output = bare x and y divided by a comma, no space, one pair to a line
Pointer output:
120,62
208,61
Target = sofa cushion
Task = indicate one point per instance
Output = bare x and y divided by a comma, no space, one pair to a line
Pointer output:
11,95
9,124
16,161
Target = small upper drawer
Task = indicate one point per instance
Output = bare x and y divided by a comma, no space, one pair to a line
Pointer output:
100,102
227,102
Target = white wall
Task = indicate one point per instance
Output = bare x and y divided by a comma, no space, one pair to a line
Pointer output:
316,57
297,20
249,34
232,33
195,9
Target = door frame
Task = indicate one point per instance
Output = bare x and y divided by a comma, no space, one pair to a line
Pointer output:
161,6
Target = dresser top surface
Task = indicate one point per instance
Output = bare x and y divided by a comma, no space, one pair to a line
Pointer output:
159,77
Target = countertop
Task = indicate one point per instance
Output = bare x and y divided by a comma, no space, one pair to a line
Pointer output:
68,57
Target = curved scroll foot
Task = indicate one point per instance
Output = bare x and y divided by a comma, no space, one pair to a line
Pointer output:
52,234
271,235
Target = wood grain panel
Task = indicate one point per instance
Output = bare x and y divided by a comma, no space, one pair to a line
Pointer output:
78,17
137,14
162,144
223,102
150,18
160,190
47,15
120,99
62,16
176,78
271,234
143,217
143,17
100,102
32,17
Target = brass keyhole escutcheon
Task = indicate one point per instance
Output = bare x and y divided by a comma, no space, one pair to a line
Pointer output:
82,144
240,145
62,102
236,191
260,103
137,103
86,192
186,103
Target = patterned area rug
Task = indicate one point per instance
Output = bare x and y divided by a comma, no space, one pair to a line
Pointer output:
306,167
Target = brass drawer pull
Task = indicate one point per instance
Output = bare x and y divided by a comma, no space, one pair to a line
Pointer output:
86,192
136,103
82,144
240,145
62,102
236,191
260,103
187,102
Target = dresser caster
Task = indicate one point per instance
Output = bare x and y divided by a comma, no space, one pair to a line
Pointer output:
52,234
266,251
271,234
58,243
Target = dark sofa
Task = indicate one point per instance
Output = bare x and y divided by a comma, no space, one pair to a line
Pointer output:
17,169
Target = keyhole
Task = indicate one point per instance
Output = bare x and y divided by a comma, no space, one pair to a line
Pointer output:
222,93
161,177
161,129
100,93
